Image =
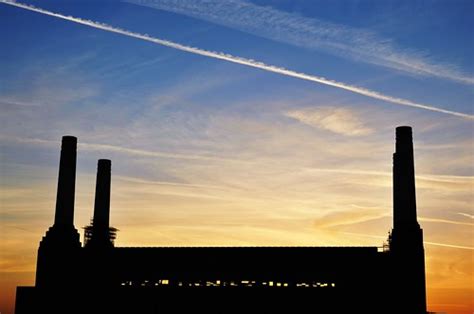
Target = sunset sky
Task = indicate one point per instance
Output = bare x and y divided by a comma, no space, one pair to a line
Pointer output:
241,123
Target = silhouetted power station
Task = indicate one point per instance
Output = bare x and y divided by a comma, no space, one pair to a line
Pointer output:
101,278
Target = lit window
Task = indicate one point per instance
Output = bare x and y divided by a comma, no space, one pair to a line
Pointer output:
165,281
270,283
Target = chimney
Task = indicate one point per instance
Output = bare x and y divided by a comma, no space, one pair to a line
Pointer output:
99,234
57,254
102,195
404,198
406,238
64,215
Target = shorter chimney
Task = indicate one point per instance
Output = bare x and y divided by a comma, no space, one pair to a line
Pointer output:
102,194
100,234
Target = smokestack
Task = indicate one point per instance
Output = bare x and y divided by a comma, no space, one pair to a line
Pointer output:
102,195
406,238
99,234
404,198
57,264
64,216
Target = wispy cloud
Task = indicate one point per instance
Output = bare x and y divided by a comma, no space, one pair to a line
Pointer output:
358,214
360,44
466,215
454,246
466,181
243,61
424,180
7,103
446,221
343,121
124,150
156,154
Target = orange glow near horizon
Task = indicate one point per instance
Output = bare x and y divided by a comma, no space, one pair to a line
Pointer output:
203,215
207,152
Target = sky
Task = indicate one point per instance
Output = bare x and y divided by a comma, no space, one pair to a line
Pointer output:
241,123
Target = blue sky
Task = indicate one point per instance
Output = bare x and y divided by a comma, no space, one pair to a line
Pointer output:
109,79
210,152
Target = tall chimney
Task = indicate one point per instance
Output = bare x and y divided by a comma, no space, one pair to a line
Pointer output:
404,198
58,251
406,239
64,215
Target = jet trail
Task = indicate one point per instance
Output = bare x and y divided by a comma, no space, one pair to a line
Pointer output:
243,61
298,30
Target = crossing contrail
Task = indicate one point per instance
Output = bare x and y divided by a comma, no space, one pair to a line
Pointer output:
243,61
359,44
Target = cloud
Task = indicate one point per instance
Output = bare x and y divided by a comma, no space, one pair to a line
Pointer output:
338,120
446,221
6,103
466,215
122,150
156,154
244,61
359,44
454,246
358,214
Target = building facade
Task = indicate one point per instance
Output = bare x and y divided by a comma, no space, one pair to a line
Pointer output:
98,277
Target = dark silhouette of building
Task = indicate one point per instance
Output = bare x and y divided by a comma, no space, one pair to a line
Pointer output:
99,234
101,278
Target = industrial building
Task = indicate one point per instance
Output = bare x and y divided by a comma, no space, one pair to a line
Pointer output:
98,277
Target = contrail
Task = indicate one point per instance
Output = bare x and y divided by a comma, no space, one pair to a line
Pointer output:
243,61
301,31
